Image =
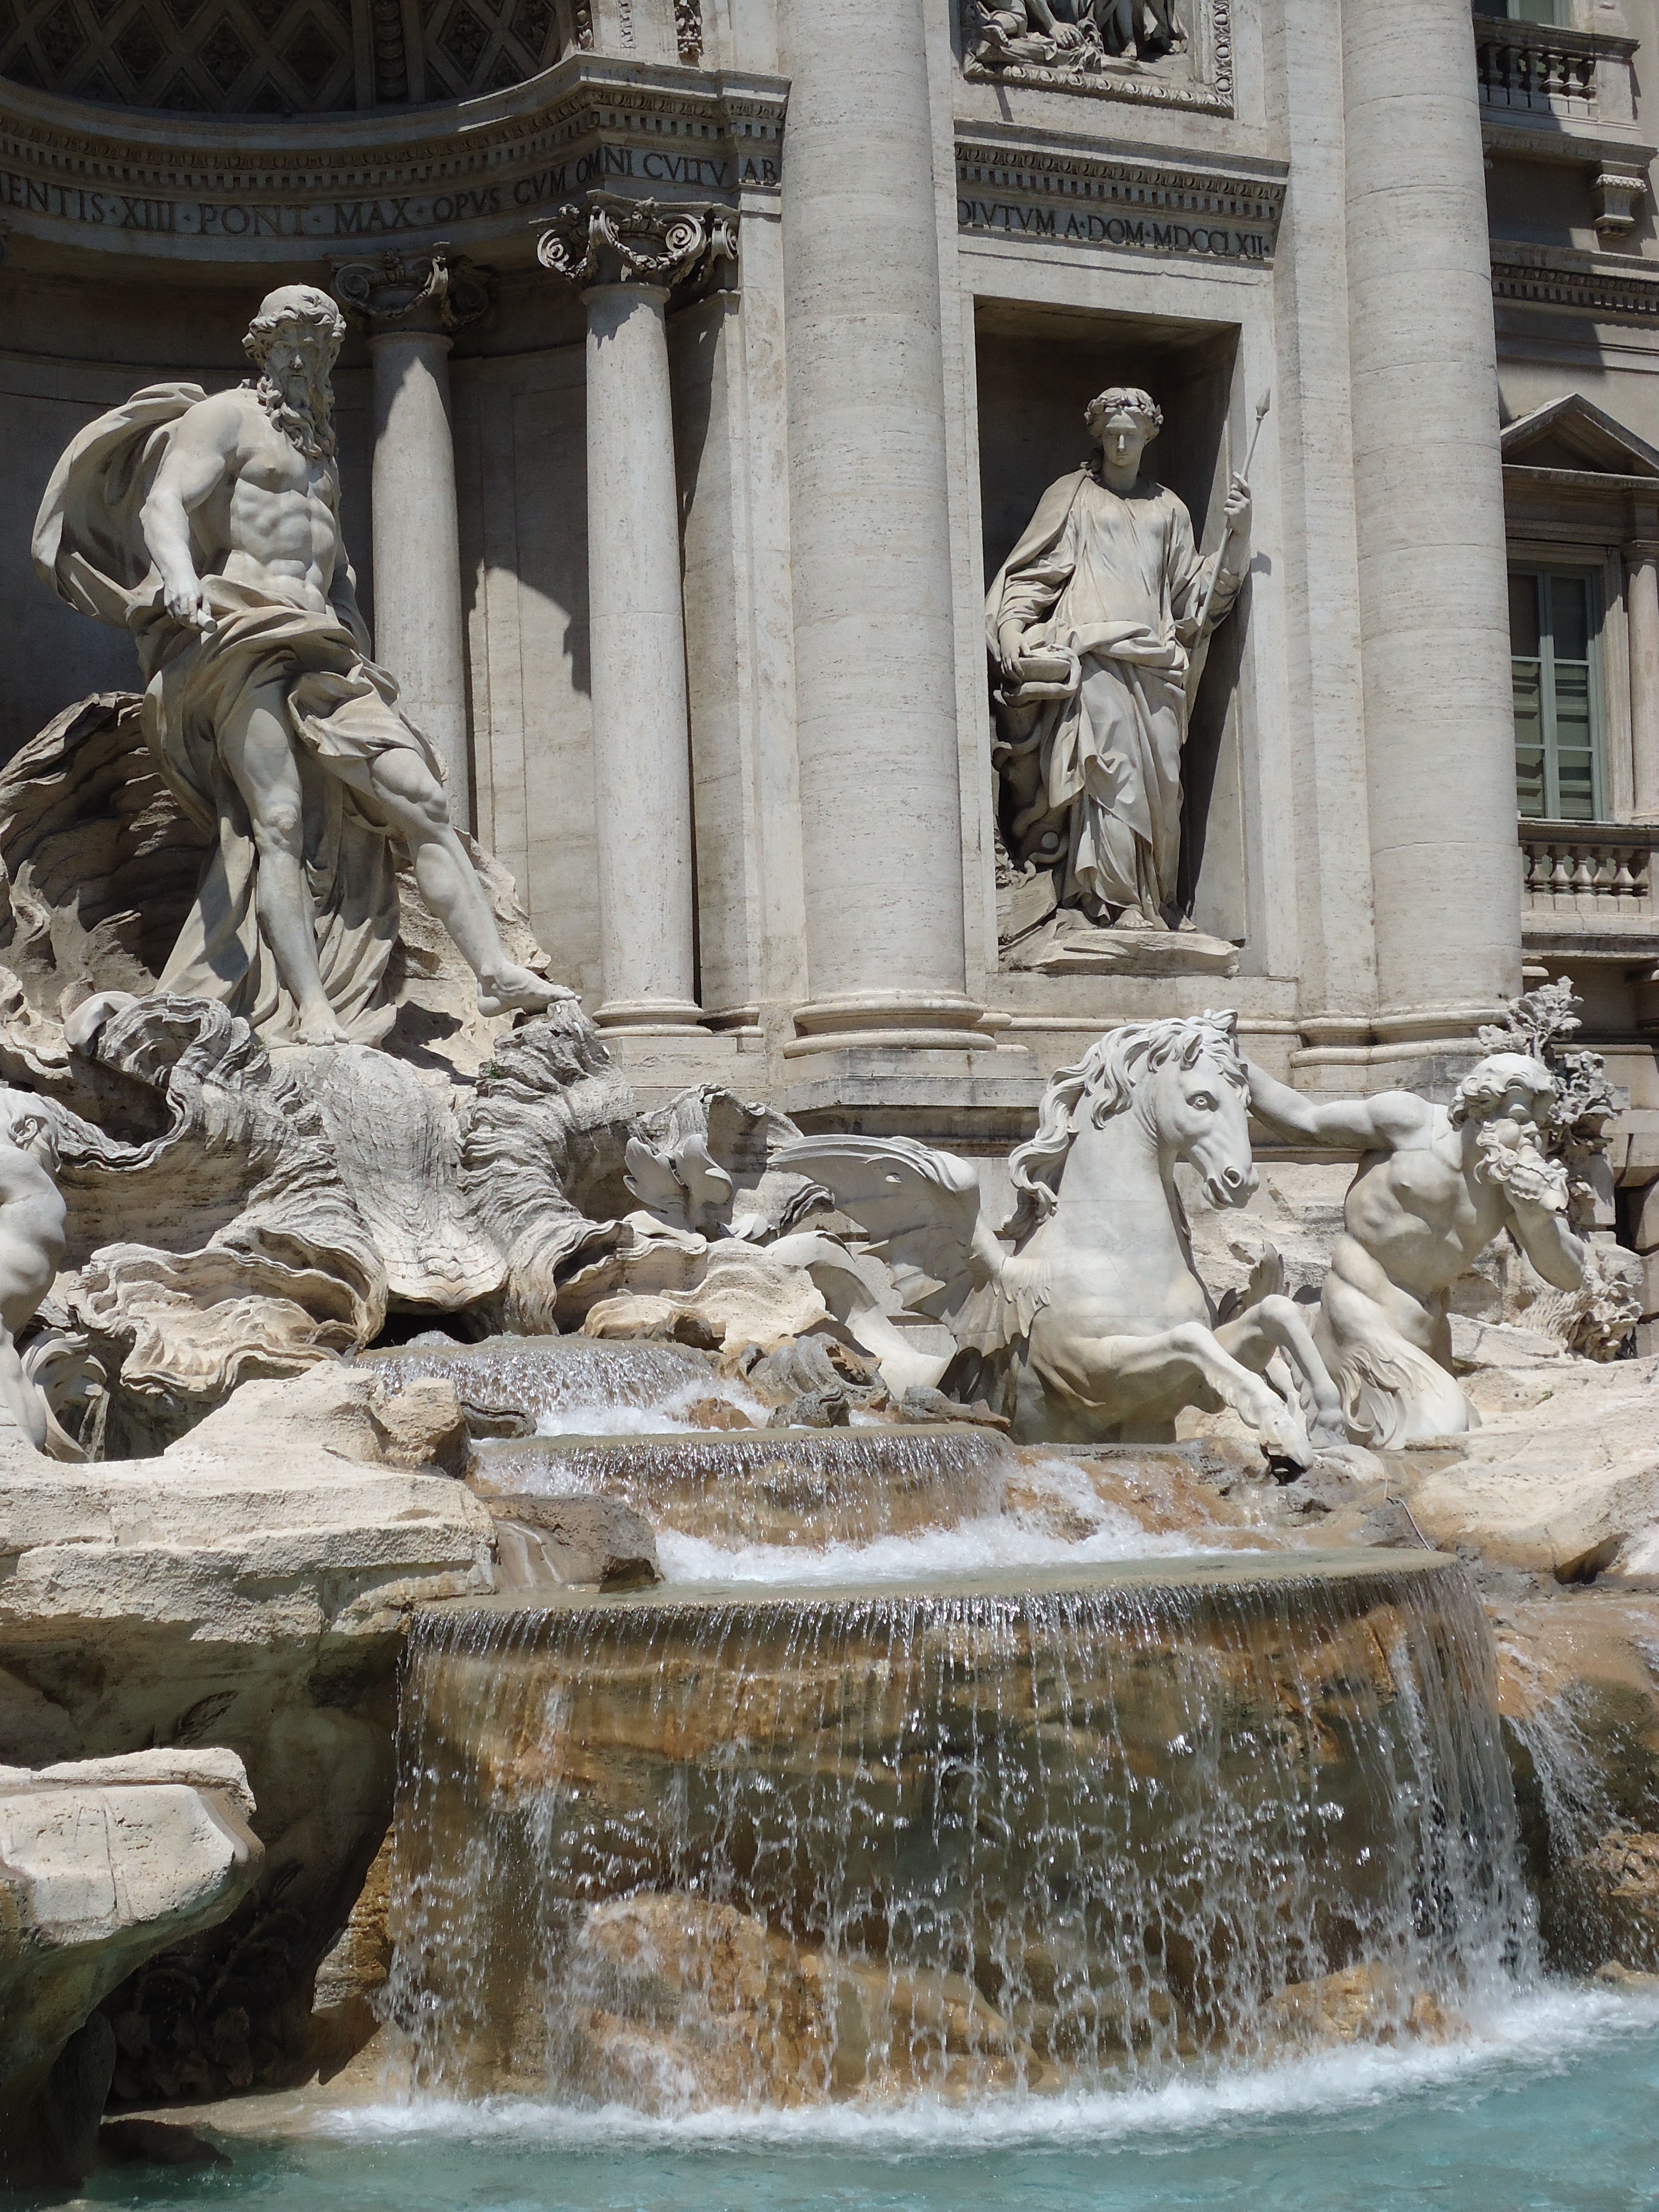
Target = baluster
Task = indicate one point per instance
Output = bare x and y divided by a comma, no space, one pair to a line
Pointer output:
1624,884
1560,873
1583,882
1528,871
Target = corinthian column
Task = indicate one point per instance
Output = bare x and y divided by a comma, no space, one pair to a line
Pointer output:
1433,601
870,533
626,257
411,307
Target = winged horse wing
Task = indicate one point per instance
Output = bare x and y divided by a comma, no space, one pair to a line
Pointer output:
920,1208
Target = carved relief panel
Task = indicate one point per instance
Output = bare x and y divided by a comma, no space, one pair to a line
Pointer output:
1167,53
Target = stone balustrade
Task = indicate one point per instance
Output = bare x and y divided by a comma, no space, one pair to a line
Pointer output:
1600,873
1542,70
1536,68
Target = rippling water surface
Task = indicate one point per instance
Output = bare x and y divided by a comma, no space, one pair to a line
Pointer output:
1554,2104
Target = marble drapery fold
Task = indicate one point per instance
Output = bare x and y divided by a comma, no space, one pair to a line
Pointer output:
89,548
1115,581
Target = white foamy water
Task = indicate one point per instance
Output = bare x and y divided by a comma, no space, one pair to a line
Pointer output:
984,1544
972,1547
669,1414
1549,2029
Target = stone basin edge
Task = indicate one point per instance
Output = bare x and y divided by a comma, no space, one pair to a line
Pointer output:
1199,1570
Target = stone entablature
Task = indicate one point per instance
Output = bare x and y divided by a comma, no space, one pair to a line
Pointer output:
1611,288
182,189
1008,183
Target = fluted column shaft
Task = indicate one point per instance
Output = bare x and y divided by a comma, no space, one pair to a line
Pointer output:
1433,600
419,631
637,642
626,256
870,533
1642,608
411,305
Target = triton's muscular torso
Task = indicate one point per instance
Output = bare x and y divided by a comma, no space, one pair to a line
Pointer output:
271,518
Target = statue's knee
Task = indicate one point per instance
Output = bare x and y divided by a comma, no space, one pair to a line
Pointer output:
277,826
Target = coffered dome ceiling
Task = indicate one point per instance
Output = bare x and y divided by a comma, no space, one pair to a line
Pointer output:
279,56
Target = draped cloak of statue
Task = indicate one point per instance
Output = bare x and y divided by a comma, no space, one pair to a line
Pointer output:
1115,580
89,547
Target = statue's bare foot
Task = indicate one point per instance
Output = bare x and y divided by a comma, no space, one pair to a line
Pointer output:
321,1025
516,990
1133,917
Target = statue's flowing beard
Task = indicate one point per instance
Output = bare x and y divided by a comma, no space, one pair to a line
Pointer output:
1513,1161
310,427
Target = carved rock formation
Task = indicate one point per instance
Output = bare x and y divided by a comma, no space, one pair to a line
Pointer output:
103,1864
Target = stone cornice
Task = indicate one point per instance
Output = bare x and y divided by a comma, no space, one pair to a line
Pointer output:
1568,141
1011,183
1612,289
192,188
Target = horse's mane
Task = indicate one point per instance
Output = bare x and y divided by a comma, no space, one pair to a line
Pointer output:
1106,1077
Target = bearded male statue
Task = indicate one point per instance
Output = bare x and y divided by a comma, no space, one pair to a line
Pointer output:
1093,624
210,528
1434,1185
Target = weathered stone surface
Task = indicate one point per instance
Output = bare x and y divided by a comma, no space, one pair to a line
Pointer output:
103,1864
740,1295
599,1542
1368,2004
1562,1475
253,1598
1578,1688
697,2002
347,1410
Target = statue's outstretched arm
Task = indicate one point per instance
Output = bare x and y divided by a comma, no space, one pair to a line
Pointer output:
1376,1124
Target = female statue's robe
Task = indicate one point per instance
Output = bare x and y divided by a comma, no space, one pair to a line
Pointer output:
1114,579
89,548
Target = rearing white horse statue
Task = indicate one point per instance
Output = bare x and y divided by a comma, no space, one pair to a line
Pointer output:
1082,1317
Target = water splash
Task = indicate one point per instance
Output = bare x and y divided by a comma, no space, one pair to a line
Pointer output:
574,1385
760,1850
803,1488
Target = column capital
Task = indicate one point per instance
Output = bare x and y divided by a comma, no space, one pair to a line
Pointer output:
434,290
604,237
1643,550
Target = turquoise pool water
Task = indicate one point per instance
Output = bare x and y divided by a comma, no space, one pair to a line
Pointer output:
1554,2105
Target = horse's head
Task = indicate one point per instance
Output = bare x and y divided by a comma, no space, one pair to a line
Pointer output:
1197,1100
1185,1081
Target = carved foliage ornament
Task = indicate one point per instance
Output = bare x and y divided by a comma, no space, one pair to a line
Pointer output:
606,238
392,287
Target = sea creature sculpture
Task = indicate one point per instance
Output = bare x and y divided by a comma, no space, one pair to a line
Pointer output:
1081,1318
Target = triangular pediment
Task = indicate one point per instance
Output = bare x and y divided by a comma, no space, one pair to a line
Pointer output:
1570,433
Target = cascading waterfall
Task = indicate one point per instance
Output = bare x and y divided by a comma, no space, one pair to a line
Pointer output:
698,1847
796,1488
548,1380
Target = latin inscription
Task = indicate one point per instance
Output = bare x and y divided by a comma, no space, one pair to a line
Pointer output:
1144,233
383,218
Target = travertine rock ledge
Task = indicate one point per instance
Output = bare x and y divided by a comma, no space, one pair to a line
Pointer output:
103,1864
252,1596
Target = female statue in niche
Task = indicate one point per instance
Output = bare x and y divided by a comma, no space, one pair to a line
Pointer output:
1093,623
